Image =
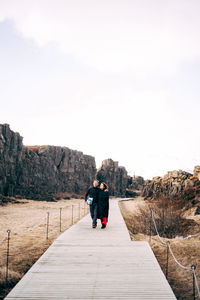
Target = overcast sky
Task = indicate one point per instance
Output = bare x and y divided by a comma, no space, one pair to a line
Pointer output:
114,79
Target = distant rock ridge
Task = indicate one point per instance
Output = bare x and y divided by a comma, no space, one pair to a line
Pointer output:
41,172
174,184
37,171
136,182
32,171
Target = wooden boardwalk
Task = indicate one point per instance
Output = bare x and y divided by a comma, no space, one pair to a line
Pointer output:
86,263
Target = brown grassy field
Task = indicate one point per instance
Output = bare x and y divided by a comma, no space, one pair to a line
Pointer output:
187,251
27,222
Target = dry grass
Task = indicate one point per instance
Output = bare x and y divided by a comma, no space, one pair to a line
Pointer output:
27,222
187,251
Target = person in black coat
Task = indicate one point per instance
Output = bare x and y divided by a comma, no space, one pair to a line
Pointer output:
103,204
93,193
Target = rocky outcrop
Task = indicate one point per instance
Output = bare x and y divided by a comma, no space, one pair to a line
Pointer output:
174,184
135,186
197,172
197,212
11,151
115,176
136,182
41,170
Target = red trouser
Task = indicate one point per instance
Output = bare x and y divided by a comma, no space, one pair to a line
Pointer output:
105,221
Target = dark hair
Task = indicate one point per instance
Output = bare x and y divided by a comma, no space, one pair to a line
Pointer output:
105,186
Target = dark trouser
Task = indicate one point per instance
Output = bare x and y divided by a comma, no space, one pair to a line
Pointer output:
93,213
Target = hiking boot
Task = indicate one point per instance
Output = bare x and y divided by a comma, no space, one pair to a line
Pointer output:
103,226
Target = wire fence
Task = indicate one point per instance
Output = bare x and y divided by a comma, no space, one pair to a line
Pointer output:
191,268
76,212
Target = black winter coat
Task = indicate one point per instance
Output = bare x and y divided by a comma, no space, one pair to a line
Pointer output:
94,193
103,204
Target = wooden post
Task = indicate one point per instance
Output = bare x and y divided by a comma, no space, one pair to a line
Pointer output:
7,260
72,214
60,219
47,235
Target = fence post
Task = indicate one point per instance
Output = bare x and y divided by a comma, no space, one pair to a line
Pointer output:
72,214
60,218
47,235
150,224
193,267
145,226
8,249
167,261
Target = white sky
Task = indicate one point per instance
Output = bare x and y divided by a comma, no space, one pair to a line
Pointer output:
114,79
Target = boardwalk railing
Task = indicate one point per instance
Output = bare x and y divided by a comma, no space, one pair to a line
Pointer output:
192,268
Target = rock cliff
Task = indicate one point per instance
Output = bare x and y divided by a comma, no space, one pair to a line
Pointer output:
175,184
41,170
136,182
115,176
197,172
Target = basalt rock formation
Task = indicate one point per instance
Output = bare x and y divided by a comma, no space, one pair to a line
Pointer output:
135,186
115,176
136,183
197,212
41,170
175,184
197,172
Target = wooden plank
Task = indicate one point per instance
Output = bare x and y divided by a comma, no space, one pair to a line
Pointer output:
86,263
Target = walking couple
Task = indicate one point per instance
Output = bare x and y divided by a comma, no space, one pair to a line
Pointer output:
98,199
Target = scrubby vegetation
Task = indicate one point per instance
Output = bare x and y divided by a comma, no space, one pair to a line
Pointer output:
177,224
168,215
